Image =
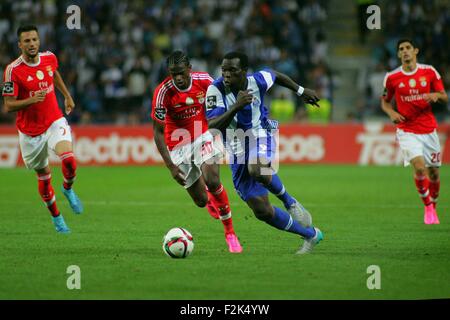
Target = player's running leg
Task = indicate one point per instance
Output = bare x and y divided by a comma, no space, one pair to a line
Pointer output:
435,184
282,220
48,196
218,195
64,150
198,193
275,186
423,183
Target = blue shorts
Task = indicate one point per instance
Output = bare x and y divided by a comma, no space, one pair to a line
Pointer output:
246,186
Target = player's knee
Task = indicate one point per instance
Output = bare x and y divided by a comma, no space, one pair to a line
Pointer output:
263,215
420,171
201,201
263,212
434,174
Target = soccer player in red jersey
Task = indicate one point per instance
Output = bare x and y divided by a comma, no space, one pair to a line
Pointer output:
29,89
186,145
416,87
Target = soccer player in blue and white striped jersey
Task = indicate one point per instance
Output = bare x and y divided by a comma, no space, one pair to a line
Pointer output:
235,106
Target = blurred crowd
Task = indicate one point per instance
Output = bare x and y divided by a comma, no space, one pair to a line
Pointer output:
115,61
427,22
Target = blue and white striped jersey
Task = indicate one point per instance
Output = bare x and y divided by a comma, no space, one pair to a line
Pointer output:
254,115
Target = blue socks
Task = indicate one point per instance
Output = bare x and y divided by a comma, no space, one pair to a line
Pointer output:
283,221
276,187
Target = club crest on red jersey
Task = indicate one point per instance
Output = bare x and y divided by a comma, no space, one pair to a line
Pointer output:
39,75
201,97
189,101
423,81
50,71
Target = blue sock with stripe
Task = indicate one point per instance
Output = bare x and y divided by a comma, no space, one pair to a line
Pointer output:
283,221
277,188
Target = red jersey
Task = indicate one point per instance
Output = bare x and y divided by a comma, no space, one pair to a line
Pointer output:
409,89
22,80
180,109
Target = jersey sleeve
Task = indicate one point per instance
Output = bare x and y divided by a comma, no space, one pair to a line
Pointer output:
388,91
436,82
265,79
158,106
215,105
10,86
207,81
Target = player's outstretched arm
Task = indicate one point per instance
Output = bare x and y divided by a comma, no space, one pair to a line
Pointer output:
11,104
388,108
158,132
308,95
69,104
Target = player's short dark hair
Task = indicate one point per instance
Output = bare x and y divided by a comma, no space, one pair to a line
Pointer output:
26,28
177,57
399,42
243,58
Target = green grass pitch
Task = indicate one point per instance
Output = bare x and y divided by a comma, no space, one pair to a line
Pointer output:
369,216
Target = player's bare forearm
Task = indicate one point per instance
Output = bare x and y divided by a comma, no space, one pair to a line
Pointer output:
158,132
11,104
388,108
59,83
308,95
285,81
223,121
69,104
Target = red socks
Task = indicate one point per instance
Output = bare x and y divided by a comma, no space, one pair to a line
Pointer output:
423,185
434,191
220,200
47,193
69,167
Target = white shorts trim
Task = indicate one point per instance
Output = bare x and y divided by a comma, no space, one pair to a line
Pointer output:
190,157
35,149
415,145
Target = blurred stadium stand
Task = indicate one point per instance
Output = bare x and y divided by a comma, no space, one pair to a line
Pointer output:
117,58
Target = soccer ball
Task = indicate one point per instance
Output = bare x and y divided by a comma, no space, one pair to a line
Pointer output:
178,243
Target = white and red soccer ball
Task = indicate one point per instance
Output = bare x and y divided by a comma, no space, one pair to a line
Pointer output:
178,243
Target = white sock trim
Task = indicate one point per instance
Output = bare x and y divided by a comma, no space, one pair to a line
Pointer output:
289,223
46,177
283,191
226,217
49,203
218,191
69,180
424,195
67,155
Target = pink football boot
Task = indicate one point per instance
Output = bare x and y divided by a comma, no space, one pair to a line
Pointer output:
233,243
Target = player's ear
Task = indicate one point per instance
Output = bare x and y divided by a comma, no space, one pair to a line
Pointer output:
416,51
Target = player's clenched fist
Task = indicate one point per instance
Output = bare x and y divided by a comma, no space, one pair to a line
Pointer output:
39,96
396,117
244,98
310,97
178,175
69,104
